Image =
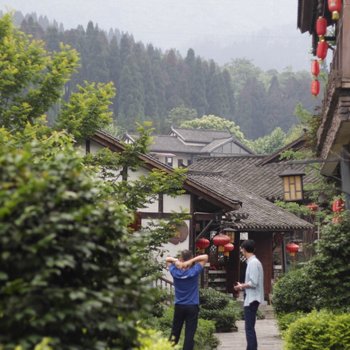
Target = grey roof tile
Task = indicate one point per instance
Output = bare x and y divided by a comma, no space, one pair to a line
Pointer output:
246,170
262,214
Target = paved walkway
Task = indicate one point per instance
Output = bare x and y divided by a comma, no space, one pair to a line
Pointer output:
267,334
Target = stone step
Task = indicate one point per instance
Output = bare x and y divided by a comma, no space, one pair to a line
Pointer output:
267,311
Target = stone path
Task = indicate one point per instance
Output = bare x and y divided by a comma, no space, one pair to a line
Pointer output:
267,334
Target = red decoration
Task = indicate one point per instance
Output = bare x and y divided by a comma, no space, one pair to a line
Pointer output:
202,243
315,87
322,48
292,248
228,248
312,206
220,240
315,68
321,27
335,6
338,205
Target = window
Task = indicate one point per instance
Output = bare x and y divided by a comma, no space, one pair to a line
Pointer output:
169,161
180,163
293,188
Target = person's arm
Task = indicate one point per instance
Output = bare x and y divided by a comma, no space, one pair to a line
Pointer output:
253,278
170,260
201,259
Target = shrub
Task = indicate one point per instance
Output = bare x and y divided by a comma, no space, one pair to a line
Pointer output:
220,308
321,330
292,292
211,299
66,268
329,270
284,320
153,340
225,318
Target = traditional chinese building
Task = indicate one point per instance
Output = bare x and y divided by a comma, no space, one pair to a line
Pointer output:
328,23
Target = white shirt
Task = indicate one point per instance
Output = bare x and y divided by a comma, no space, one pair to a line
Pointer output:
254,277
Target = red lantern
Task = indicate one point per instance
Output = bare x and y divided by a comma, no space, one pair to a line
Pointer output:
335,6
321,27
292,248
315,87
202,243
322,48
338,205
228,248
315,68
312,206
220,240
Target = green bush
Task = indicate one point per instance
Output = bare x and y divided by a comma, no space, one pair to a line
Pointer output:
211,299
321,330
329,270
153,340
284,320
220,308
292,292
225,318
66,268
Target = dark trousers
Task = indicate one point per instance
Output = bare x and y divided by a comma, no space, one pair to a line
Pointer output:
187,314
250,318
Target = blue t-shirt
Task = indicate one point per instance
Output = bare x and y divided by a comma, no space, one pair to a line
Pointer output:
186,284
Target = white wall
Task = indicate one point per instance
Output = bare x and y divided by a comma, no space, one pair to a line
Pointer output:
171,249
171,204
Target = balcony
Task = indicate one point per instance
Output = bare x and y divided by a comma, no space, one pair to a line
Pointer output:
334,131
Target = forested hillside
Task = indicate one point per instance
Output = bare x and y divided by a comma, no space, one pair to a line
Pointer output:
150,83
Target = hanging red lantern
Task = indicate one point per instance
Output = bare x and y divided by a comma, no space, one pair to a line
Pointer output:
220,240
312,206
202,243
321,27
338,205
335,6
322,48
292,248
315,68
228,248
315,87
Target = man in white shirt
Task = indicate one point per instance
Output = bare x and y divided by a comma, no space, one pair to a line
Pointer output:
253,287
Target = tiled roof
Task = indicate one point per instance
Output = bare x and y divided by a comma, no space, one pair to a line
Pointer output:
168,143
246,170
215,144
262,214
200,135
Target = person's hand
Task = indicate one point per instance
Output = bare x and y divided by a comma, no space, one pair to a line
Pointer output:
179,264
238,287
186,264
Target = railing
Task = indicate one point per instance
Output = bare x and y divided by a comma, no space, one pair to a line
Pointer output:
167,286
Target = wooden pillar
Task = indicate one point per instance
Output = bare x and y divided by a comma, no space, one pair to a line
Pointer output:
263,250
345,42
233,267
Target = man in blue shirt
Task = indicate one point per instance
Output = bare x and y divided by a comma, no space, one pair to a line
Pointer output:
254,291
185,272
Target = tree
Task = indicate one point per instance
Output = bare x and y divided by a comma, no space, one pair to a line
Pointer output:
269,143
69,269
329,270
179,115
31,80
251,109
70,272
87,110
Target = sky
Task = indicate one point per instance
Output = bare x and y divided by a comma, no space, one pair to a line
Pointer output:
218,29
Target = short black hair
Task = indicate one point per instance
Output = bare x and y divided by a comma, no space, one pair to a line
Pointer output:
248,245
186,255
